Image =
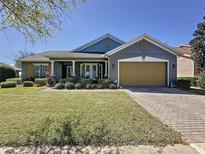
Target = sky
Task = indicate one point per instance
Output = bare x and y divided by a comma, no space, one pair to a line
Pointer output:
170,21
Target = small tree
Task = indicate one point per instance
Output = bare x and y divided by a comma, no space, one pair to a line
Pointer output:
198,46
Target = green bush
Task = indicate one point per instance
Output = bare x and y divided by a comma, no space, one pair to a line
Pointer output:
84,82
8,84
71,80
40,81
184,84
193,80
88,86
113,86
99,86
201,82
59,86
6,72
17,80
28,84
105,82
69,85
78,86
93,86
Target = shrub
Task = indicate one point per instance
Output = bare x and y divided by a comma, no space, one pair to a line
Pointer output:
28,84
99,86
193,80
184,84
69,85
105,82
50,80
8,84
78,86
59,86
84,81
71,80
88,86
112,86
41,81
6,72
201,82
93,86
17,80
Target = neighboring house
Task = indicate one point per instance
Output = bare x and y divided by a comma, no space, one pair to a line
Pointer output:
185,64
143,61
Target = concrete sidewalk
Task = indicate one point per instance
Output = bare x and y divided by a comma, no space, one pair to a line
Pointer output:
141,149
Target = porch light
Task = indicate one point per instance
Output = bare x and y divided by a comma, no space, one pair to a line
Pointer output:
173,66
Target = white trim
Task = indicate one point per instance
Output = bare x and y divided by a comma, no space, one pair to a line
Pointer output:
45,64
81,60
99,39
52,67
149,39
140,59
73,64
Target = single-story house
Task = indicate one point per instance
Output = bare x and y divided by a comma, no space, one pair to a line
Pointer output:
185,64
143,61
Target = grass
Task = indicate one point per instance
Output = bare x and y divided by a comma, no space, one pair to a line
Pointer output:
29,116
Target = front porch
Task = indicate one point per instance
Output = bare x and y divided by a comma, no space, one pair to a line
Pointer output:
93,69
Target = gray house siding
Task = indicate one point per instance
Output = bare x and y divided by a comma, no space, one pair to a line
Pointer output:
100,46
134,51
24,69
58,70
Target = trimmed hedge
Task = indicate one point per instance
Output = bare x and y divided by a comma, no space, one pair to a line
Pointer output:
78,86
84,82
28,84
105,82
59,86
40,81
8,84
6,72
71,80
193,80
184,84
69,85
17,80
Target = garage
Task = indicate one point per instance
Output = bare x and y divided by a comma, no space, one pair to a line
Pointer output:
142,73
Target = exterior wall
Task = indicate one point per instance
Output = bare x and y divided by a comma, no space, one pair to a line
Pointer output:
134,51
185,67
100,47
27,70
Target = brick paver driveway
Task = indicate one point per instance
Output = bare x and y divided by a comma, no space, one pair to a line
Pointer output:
181,110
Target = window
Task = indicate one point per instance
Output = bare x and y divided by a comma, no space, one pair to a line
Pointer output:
107,44
40,70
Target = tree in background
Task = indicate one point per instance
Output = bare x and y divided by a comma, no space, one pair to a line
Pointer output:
198,50
198,46
21,54
34,18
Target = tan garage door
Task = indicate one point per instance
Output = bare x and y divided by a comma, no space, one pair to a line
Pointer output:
142,73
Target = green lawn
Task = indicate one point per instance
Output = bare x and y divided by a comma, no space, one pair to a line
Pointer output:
32,116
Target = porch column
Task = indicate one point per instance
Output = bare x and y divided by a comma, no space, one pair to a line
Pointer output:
73,67
106,69
52,67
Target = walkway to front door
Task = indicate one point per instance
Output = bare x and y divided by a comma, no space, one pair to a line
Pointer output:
181,110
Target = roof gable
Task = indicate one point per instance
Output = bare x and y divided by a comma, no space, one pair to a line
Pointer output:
147,38
98,45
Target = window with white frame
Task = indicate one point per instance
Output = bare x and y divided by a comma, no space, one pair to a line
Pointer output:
91,70
40,70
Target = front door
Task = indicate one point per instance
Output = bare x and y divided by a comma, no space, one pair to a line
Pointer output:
91,71
69,71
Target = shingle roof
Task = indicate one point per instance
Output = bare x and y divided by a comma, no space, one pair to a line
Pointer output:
35,58
67,54
184,49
